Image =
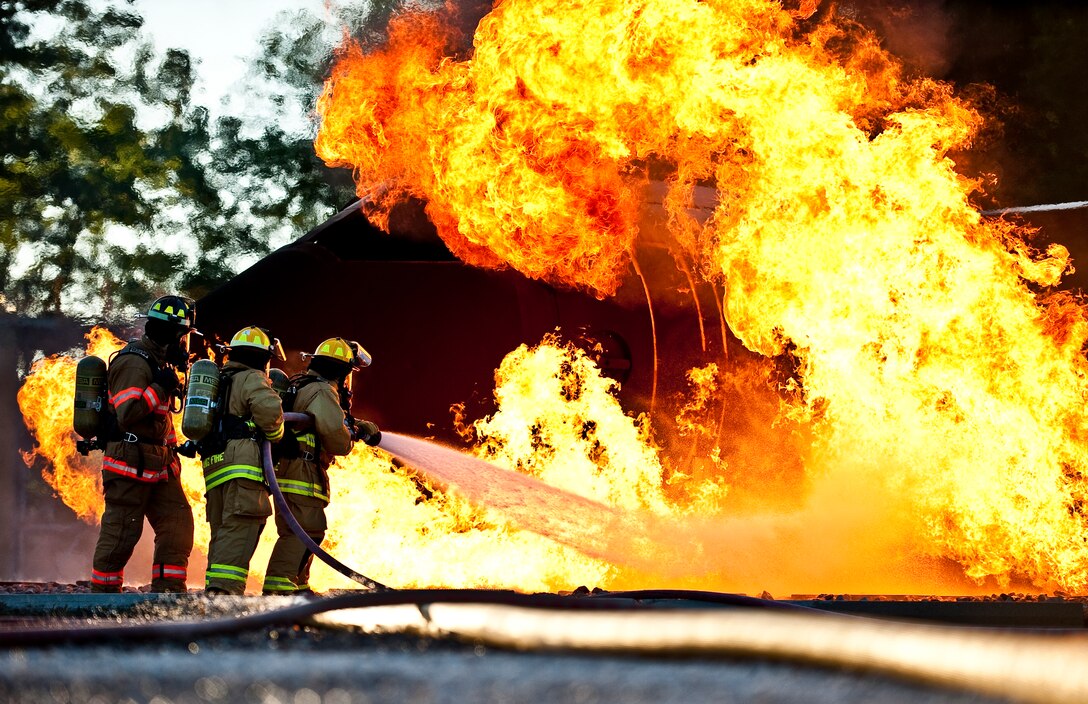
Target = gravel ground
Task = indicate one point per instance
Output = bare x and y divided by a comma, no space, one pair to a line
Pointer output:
308,665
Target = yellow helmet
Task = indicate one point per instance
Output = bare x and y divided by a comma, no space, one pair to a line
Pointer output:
346,351
256,338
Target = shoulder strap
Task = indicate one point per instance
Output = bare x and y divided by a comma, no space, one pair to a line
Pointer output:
131,348
296,384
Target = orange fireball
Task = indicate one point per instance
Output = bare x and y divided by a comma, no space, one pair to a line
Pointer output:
45,400
943,393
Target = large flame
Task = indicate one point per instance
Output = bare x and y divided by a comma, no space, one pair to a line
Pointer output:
944,393
45,400
938,386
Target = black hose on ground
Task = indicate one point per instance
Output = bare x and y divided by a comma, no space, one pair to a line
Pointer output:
1038,667
704,597
296,612
292,522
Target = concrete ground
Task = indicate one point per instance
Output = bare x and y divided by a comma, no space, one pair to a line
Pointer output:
310,664
305,666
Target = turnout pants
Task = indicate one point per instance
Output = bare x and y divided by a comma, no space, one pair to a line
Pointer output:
128,501
237,512
289,566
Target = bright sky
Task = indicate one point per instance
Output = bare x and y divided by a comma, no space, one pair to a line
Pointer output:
222,34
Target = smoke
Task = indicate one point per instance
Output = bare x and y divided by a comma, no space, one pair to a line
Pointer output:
918,32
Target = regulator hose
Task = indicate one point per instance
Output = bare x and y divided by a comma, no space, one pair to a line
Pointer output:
292,522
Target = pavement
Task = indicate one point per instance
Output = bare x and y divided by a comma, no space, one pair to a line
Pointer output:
307,667
308,664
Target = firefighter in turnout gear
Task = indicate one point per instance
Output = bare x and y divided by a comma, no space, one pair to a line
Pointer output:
140,468
322,392
248,412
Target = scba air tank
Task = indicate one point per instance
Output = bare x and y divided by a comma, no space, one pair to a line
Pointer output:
91,396
200,395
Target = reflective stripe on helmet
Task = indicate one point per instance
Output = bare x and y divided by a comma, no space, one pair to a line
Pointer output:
346,351
251,336
173,309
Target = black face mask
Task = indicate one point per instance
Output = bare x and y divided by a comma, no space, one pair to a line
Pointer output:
177,353
345,395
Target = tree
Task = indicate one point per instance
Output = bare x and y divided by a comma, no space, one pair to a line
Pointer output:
115,188
262,154
78,169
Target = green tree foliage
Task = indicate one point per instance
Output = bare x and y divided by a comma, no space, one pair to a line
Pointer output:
261,155
76,162
115,188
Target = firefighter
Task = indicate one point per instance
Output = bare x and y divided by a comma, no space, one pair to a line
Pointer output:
323,392
237,498
140,467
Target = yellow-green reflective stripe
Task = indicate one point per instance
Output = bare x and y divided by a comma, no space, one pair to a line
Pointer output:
225,572
291,486
234,471
307,439
281,584
280,580
275,434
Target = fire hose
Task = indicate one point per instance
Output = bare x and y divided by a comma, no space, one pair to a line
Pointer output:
1043,666
292,522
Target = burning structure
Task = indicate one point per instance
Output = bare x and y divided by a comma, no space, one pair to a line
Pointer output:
756,223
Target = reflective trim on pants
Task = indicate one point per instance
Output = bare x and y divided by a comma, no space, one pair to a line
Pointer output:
107,579
168,572
279,584
292,486
238,574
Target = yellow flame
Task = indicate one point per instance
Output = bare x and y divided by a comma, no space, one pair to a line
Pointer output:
936,410
943,396
45,400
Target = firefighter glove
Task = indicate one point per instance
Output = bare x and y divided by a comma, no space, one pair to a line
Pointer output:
188,448
367,432
167,378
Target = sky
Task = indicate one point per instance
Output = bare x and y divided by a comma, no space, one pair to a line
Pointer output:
222,34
